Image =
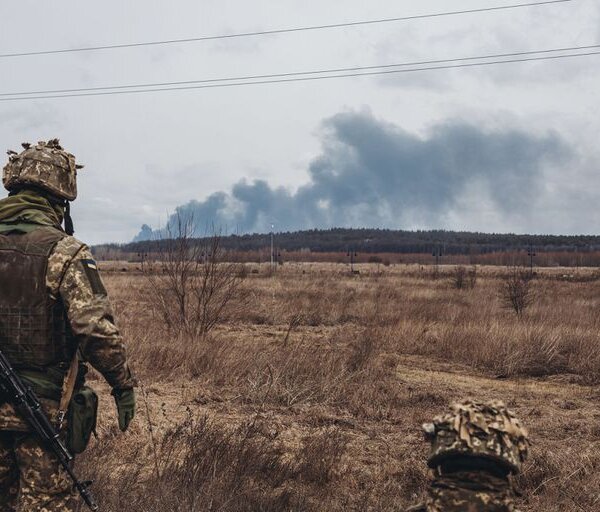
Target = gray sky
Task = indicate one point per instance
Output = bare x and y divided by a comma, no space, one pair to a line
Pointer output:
504,148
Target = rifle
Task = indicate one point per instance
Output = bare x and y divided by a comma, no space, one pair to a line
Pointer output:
23,399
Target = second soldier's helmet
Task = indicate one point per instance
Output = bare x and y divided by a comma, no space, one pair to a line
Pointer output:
485,430
45,165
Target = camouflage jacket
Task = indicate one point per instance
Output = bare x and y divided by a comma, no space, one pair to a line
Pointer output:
72,276
468,492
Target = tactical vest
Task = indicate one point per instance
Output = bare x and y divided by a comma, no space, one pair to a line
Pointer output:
34,331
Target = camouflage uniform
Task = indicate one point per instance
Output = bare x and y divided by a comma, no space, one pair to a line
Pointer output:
474,451
30,478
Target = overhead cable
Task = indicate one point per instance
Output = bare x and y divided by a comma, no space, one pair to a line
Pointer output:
300,79
299,73
277,31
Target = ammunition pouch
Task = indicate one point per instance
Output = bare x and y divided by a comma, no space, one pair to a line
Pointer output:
81,419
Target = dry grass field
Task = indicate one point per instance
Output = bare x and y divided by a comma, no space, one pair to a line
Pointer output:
309,395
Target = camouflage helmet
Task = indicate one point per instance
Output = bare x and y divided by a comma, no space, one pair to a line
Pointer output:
486,430
45,165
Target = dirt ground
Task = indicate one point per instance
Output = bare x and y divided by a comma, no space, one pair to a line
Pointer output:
309,395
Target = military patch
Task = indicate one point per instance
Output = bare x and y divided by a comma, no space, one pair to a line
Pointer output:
91,271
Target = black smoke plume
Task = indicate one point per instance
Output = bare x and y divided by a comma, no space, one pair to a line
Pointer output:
371,173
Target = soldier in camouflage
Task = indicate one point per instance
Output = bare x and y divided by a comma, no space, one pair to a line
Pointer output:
475,449
53,308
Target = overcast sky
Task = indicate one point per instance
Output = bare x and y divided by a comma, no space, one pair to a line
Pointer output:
499,148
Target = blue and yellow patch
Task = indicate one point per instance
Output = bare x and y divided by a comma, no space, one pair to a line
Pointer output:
91,271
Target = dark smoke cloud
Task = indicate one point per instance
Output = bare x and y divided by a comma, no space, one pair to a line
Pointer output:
374,174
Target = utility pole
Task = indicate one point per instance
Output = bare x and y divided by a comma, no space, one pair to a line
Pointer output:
531,253
437,253
351,254
272,244
272,272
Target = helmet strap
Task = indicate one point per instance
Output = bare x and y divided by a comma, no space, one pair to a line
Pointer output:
68,220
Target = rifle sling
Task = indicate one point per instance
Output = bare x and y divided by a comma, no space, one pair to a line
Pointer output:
68,387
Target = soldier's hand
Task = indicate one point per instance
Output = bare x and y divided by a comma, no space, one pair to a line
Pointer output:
125,400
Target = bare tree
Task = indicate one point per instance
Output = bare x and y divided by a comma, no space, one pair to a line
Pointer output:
191,285
516,290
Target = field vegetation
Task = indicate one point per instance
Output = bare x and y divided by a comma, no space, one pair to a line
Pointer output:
308,391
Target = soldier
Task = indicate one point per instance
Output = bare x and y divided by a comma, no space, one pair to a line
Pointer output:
54,317
474,451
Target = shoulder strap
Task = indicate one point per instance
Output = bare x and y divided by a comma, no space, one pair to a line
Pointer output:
18,228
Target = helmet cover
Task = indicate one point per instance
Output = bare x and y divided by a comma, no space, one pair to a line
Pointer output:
45,165
488,430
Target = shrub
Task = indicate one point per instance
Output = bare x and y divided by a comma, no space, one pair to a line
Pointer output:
462,278
459,277
516,291
189,283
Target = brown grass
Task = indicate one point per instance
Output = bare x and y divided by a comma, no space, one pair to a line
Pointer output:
310,397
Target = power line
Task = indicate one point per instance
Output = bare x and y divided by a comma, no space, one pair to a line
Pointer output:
299,73
279,31
301,79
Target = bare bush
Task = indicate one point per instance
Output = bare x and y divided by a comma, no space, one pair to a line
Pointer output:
462,278
190,284
516,290
472,277
459,277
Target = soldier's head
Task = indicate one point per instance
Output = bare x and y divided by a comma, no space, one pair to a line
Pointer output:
488,432
49,170
46,167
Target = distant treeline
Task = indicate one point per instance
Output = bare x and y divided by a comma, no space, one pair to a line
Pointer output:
380,241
